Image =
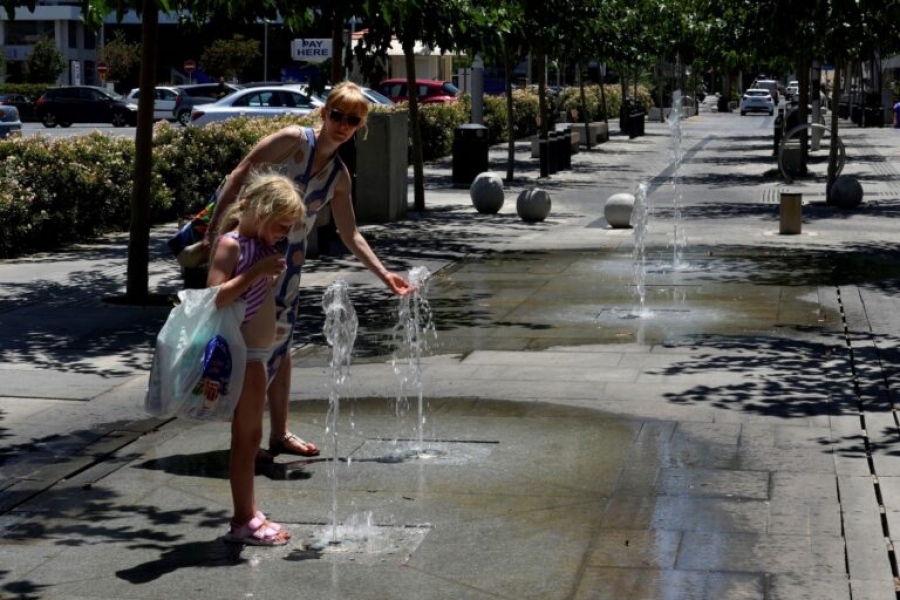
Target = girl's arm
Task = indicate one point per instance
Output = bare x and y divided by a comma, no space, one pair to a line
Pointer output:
270,150
222,266
345,220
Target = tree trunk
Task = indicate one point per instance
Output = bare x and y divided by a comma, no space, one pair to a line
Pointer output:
833,146
337,43
418,161
542,94
138,278
585,117
510,117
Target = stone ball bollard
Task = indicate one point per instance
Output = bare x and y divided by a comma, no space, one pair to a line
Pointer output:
533,205
617,210
487,193
846,192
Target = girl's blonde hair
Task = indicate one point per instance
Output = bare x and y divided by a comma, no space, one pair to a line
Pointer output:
268,196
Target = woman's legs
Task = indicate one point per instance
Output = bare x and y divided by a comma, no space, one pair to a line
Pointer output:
280,439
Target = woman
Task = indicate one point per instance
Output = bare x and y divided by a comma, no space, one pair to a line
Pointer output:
310,158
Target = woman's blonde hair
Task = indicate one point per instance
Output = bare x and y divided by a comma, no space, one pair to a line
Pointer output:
268,196
349,97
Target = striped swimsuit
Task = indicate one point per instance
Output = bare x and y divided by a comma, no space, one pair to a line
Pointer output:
251,251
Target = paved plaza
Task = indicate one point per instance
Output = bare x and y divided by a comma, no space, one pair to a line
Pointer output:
714,420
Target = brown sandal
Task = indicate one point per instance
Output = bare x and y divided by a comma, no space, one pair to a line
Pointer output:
281,446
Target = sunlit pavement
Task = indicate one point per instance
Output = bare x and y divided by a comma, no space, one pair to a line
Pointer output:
728,437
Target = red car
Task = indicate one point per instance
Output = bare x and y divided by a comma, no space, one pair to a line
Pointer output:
429,91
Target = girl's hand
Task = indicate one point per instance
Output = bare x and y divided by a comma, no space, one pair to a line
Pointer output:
270,266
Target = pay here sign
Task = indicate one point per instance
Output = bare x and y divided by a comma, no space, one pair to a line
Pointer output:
311,49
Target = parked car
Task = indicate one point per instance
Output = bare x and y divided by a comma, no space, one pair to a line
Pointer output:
769,85
757,100
376,98
9,121
429,91
23,104
163,102
258,102
189,96
84,104
792,90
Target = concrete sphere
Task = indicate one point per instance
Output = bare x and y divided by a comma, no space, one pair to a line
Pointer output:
618,210
533,205
487,193
846,192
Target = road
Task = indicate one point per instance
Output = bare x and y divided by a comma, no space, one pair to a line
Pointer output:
36,129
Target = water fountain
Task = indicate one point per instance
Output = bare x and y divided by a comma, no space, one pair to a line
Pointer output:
411,335
340,328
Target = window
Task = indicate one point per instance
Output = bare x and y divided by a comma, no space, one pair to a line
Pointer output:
73,34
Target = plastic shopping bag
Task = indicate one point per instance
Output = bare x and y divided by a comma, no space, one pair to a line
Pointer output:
199,351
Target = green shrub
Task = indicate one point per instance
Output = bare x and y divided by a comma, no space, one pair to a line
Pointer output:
58,191
437,125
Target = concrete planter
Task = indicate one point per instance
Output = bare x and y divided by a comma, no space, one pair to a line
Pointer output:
381,167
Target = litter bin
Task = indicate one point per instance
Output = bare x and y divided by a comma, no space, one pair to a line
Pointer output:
470,153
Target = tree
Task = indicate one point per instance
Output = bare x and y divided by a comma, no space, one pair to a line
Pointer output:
45,63
120,55
227,58
429,22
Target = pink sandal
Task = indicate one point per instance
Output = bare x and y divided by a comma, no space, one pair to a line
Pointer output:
258,532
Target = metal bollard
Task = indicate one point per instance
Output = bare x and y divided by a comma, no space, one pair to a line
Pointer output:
544,158
552,154
790,213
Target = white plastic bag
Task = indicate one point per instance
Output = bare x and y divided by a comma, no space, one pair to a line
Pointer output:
199,347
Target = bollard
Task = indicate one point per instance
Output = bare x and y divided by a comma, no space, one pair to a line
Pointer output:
543,156
552,157
791,213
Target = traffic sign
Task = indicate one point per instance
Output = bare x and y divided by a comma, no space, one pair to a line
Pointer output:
102,68
189,66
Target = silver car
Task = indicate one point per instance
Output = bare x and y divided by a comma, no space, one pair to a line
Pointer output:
9,121
163,101
268,101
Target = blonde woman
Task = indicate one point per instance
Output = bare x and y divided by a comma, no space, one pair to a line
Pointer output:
310,158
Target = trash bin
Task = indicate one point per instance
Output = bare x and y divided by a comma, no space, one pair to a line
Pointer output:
636,123
897,115
470,153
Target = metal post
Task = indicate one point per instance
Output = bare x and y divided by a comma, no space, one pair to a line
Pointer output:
265,49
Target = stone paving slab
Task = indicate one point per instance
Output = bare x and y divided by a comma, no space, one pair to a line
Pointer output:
584,457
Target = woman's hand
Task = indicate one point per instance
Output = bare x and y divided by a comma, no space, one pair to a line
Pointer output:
398,284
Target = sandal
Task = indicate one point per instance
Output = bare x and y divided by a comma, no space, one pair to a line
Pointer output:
277,447
258,532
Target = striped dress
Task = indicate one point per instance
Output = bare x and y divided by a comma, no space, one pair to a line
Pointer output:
251,251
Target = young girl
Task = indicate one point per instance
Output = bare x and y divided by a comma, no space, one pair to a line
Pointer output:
245,262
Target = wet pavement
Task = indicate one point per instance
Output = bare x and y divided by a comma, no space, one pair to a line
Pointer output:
731,437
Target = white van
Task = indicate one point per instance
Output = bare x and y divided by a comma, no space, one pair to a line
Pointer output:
767,84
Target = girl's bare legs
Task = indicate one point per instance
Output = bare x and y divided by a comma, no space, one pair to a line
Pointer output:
246,434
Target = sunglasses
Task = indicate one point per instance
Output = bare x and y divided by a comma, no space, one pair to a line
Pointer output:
339,117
